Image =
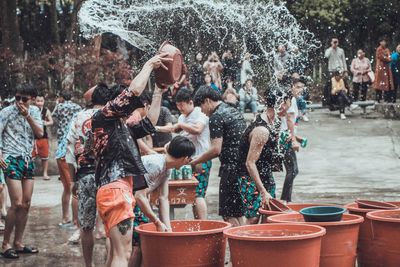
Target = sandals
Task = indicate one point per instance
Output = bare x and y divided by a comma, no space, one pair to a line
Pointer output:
10,254
27,250
66,224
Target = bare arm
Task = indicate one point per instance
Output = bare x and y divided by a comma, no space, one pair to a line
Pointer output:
36,126
195,129
212,152
164,204
154,111
144,148
144,204
290,122
49,119
258,138
168,128
140,82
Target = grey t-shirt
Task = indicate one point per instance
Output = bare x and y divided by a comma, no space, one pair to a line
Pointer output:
160,139
157,172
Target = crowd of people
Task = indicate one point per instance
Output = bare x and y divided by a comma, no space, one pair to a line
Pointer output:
112,154
385,79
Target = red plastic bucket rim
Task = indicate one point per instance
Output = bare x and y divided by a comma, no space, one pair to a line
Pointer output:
271,212
354,207
347,219
224,226
319,232
378,215
373,204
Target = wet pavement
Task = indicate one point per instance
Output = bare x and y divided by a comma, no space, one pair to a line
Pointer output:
344,160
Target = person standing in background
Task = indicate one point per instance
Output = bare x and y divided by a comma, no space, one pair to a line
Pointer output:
63,113
41,148
248,97
214,67
395,66
336,58
197,73
383,74
246,71
360,66
19,125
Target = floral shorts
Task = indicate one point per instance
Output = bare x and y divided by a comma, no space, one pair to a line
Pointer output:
250,195
203,176
140,218
18,168
87,202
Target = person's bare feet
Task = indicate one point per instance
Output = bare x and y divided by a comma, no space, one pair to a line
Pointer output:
46,177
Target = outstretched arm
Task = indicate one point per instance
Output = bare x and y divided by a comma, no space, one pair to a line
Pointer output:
212,152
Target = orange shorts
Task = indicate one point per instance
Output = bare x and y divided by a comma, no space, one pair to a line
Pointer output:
41,148
115,203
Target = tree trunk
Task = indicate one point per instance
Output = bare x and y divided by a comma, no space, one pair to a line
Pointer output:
9,24
73,30
55,36
13,26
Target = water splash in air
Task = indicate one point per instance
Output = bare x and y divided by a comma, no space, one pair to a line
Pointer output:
216,25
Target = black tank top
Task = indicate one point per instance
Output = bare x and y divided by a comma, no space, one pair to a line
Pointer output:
264,163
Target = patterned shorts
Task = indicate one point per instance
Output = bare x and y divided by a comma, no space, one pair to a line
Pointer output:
18,168
251,196
87,202
2,180
203,177
140,218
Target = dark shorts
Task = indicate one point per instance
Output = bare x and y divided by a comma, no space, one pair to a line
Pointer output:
140,218
230,200
18,168
87,202
203,176
250,195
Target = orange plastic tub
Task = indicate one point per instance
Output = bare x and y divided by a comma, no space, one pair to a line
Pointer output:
339,245
191,243
366,247
386,236
284,245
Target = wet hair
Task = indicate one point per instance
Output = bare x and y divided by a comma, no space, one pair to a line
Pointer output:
181,147
66,95
100,94
183,95
205,92
146,97
26,89
270,99
115,91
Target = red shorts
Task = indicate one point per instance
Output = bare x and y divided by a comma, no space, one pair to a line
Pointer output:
115,203
41,148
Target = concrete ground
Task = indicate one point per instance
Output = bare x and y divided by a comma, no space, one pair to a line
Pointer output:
345,160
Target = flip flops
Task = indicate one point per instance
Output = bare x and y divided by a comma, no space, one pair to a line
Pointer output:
27,250
10,254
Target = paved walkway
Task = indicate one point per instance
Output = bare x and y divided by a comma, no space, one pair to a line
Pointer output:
345,160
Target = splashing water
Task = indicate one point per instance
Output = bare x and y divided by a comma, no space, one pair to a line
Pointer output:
259,27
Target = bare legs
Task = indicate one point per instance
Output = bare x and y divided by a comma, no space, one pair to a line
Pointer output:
17,216
45,164
121,244
200,208
87,246
66,195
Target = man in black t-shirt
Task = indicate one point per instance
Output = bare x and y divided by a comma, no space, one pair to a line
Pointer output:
226,127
